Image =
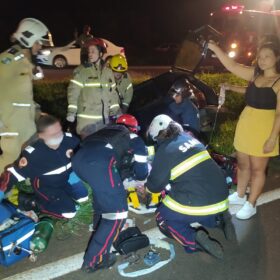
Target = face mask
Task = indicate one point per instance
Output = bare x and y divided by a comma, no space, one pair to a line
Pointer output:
54,141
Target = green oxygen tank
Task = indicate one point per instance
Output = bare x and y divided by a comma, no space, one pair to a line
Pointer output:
43,232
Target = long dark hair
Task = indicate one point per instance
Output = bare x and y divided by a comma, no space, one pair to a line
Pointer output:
274,45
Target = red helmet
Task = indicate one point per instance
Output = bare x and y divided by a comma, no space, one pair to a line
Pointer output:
99,43
129,121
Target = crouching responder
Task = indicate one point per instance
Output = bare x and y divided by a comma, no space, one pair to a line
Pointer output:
92,96
17,70
196,188
124,89
47,163
102,162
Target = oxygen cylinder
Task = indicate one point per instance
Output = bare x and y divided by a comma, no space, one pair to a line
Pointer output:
43,231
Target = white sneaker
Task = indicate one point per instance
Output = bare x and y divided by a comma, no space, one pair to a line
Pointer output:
236,199
246,212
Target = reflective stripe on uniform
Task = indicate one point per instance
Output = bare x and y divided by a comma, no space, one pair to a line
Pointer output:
72,106
113,85
22,104
96,117
9,134
93,85
129,86
188,164
59,170
140,158
77,83
115,216
114,106
151,150
125,104
196,210
19,177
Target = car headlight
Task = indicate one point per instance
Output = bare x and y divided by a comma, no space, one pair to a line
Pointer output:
233,45
232,54
46,52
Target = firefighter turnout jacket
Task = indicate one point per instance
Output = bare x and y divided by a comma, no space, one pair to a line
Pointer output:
17,110
125,91
195,184
92,95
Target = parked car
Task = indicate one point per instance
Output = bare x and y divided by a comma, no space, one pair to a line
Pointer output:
69,55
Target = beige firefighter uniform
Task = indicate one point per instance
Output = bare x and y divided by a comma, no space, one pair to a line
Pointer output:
17,110
92,97
125,91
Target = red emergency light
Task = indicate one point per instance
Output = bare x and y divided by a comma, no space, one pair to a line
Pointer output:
233,8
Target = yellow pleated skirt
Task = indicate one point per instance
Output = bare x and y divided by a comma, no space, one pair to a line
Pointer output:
253,129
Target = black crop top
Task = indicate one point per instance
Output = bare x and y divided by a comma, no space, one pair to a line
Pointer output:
261,97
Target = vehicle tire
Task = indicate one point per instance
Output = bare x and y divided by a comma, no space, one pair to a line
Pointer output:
59,62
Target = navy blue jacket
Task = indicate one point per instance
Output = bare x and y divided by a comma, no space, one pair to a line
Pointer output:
202,185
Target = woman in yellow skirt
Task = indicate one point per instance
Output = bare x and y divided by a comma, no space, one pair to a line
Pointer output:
256,136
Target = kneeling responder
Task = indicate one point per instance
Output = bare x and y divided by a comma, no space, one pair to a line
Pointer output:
196,187
92,96
105,159
47,163
17,70
124,89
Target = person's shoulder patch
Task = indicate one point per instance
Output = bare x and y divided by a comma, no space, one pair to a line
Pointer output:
29,149
23,162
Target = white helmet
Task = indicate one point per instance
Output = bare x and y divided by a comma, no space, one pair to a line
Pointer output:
31,30
159,123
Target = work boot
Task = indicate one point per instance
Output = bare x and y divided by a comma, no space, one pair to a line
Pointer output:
225,224
108,261
208,245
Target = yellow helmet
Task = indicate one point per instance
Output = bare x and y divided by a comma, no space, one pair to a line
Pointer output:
118,63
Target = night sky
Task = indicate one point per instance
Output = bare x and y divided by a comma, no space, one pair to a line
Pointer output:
125,22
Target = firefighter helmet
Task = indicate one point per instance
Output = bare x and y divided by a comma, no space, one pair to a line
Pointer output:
129,121
181,87
31,30
159,123
99,43
118,63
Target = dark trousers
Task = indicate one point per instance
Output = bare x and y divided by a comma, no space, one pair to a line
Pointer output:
178,226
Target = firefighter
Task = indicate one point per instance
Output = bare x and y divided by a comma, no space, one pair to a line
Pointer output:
47,163
17,69
106,159
183,109
195,186
92,96
119,66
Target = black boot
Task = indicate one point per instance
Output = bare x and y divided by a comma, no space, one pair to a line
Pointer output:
208,245
108,261
224,222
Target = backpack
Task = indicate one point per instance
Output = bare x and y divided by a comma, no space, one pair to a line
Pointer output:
118,136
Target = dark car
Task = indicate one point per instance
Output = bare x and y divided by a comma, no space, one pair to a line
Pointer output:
150,98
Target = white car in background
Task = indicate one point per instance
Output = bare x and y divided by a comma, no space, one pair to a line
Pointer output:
69,55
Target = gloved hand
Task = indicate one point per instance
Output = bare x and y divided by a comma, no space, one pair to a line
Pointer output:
71,117
38,73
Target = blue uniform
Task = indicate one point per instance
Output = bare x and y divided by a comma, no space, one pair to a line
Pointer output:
48,171
185,113
95,163
196,188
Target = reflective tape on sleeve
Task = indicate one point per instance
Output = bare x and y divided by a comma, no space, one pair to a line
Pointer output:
19,177
140,158
21,104
9,134
71,106
94,117
115,216
189,164
129,86
59,170
195,210
77,83
96,85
